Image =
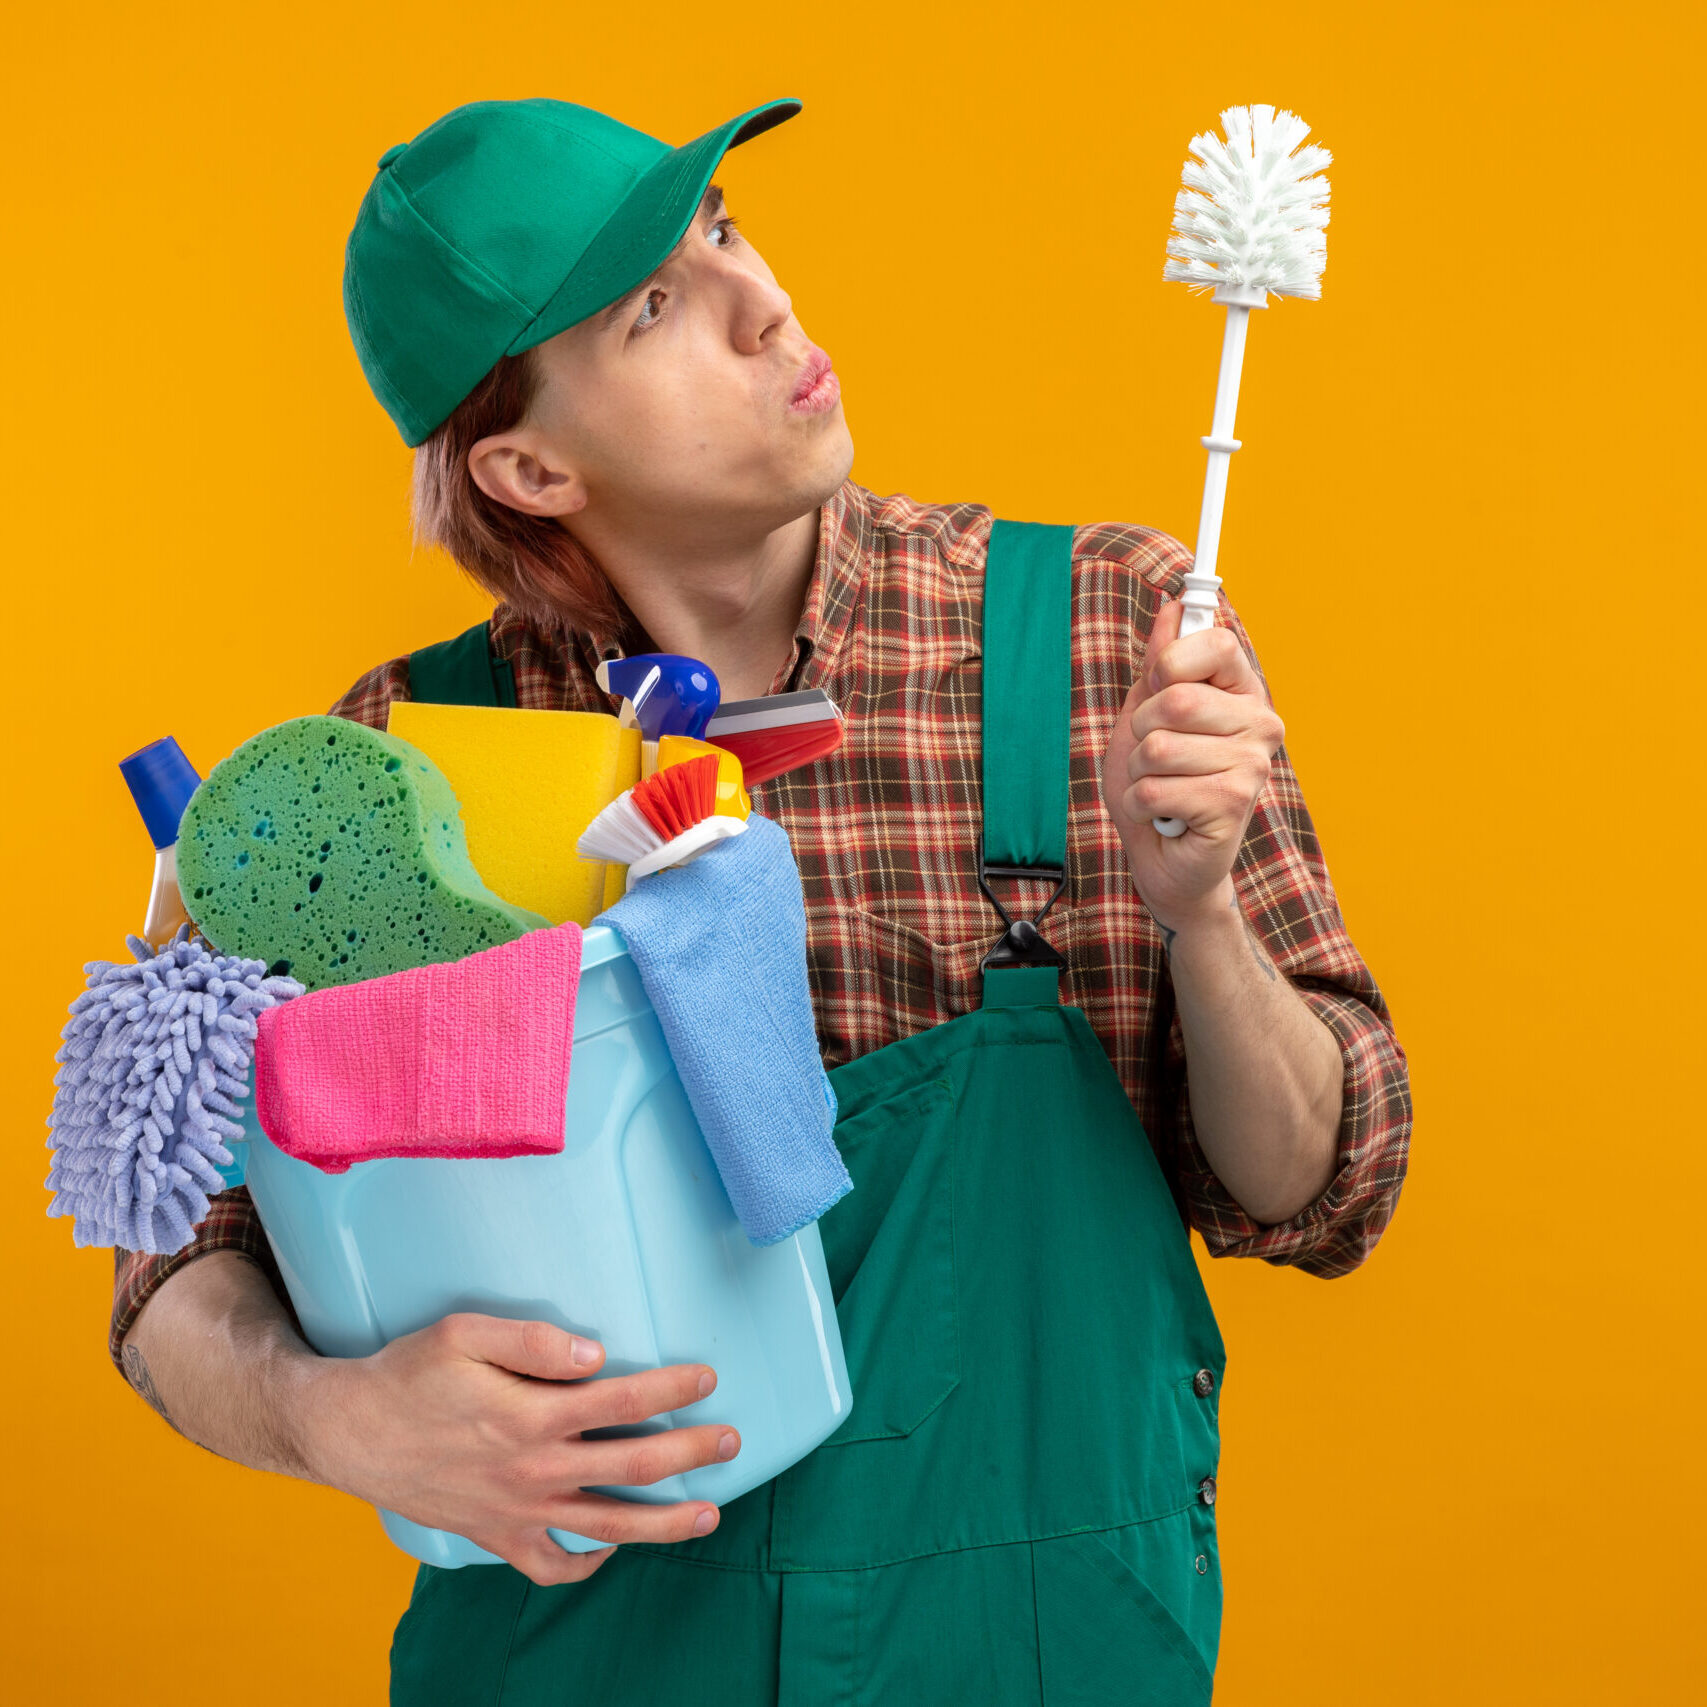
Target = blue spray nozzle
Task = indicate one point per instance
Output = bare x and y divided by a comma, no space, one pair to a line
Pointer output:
670,694
161,782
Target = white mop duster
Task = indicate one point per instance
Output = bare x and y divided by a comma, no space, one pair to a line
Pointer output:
1249,221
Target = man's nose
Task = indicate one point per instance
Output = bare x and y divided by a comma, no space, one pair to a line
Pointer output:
761,306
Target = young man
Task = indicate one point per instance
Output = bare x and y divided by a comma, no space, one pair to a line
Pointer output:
625,434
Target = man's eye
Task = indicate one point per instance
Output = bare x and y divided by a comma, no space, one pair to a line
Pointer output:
731,222
646,325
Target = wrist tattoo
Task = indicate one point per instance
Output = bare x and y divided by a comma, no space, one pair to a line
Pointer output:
136,1372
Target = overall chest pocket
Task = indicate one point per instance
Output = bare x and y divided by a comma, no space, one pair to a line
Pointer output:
916,981
889,1248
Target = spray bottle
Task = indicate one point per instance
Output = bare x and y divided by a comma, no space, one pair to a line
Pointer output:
663,694
161,782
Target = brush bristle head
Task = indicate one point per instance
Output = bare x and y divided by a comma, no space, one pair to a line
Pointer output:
1253,208
674,800
655,810
620,834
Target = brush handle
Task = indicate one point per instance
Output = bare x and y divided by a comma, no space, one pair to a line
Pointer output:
1201,582
689,845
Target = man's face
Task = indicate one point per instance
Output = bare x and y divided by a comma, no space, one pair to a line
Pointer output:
678,407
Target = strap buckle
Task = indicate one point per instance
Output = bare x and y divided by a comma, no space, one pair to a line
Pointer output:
1021,943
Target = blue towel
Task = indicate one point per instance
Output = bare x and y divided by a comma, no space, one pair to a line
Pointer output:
720,946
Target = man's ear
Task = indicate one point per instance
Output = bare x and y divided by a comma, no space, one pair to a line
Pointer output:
518,469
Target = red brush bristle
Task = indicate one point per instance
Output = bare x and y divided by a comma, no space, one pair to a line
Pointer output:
649,796
701,774
674,800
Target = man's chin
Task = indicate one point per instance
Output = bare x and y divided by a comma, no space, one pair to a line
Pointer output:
835,466
807,481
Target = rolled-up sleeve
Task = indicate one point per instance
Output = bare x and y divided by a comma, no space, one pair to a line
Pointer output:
232,1222
1287,896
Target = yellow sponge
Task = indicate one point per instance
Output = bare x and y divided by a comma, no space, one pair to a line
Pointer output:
529,783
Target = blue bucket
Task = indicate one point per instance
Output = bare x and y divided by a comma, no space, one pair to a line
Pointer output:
627,1236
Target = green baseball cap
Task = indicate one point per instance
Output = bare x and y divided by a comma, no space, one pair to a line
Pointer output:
502,224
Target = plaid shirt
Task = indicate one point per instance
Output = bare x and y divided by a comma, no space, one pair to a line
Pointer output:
885,832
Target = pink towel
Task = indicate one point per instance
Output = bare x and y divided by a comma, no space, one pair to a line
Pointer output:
464,1058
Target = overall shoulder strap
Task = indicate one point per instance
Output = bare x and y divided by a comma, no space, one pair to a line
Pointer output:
1027,711
462,671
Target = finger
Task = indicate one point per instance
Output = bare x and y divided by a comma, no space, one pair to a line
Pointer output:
1167,752
601,1518
618,1399
1214,656
1196,708
539,1349
640,1460
1163,631
547,1564
1207,803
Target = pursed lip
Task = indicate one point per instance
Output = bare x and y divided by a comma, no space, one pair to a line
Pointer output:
817,365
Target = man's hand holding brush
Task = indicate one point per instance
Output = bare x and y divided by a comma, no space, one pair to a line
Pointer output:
1194,740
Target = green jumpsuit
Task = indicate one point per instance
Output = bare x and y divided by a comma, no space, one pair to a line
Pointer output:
1019,1508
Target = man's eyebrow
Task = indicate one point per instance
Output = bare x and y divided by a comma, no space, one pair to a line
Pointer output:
710,203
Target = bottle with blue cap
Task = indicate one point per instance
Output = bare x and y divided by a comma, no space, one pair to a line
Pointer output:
161,782
663,693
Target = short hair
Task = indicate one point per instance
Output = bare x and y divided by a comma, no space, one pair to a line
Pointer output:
530,563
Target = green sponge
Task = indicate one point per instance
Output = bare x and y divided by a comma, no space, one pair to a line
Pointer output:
335,852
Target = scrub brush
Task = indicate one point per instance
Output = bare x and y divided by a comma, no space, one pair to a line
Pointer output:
1248,221
667,818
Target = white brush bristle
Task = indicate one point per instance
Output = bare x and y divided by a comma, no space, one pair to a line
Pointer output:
621,833
1253,210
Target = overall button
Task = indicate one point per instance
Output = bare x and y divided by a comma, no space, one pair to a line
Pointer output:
1203,1383
1206,1490
1202,1565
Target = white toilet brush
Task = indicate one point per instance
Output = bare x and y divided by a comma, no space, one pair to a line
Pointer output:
1248,221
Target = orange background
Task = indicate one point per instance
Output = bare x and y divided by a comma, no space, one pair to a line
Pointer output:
1457,533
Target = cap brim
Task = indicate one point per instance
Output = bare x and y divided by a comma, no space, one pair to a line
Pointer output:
637,239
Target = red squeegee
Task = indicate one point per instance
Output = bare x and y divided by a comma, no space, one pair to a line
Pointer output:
777,733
